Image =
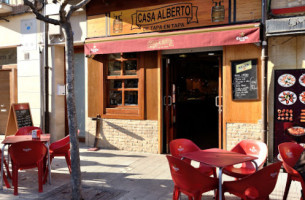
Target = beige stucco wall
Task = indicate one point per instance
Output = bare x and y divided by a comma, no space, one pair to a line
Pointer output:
10,31
28,70
286,52
57,103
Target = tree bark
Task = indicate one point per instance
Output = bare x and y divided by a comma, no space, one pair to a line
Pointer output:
71,108
65,23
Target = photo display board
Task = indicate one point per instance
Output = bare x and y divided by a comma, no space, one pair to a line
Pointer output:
244,80
289,107
19,116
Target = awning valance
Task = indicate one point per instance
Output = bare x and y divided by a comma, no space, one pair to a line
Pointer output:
218,36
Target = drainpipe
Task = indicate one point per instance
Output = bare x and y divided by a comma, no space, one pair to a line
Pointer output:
264,71
46,66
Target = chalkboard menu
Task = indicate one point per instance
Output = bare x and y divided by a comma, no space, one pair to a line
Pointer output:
23,118
244,80
19,116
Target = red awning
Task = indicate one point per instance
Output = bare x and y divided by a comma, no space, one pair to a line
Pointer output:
219,36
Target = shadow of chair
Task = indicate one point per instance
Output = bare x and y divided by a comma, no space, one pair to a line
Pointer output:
26,155
290,153
250,147
258,185
188,180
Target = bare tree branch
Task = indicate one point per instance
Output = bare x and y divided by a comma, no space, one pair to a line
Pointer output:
62,11
76,7
39,15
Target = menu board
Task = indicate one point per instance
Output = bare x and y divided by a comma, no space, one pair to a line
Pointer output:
19,116
23,118
289,106
244,80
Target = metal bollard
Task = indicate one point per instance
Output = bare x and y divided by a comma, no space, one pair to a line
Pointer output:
97,131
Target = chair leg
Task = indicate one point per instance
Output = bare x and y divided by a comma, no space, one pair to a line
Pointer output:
40,175
6,181
68,160
197,196
7,169
287,187
15,179
176,194
46,171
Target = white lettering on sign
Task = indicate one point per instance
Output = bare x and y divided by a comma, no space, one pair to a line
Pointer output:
160,43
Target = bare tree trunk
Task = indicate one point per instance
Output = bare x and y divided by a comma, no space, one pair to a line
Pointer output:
71,108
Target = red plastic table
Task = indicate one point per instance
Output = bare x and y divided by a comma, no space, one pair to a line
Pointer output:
218,158
45,138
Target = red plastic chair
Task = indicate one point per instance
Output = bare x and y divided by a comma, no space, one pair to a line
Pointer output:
252,148
26,155
188,180
179,146
290,153
27,130
255,186
60,148
8,172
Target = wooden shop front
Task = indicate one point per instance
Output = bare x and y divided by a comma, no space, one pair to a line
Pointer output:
171,63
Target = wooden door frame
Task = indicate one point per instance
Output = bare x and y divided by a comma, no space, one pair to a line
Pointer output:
161,119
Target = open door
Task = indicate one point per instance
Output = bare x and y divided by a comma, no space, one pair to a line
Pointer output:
169,102
192,98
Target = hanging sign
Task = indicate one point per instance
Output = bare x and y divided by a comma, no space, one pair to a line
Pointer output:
19,116
169,17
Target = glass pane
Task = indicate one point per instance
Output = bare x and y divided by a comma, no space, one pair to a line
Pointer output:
130,67
115,84
115,98
114,68
130,55
131,83
131,98
115,56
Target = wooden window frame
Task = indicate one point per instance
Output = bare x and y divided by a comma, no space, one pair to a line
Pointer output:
123,111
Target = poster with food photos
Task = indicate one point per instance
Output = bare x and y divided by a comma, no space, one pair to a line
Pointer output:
289,106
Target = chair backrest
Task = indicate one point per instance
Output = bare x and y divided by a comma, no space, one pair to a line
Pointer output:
61,145
189,179
27,153
290,153
262,181
253,148
26,130
179,146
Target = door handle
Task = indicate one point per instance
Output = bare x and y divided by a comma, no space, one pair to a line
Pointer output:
170,100
217,104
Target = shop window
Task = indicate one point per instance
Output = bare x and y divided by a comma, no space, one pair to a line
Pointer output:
123,90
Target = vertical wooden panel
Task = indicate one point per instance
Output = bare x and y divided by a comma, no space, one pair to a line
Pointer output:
240,111
160,103
95,85
248,10
151,88
96,26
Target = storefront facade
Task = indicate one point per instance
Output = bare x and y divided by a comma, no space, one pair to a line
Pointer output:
286,50
161,71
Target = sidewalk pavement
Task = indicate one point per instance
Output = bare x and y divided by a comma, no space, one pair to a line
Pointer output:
117,175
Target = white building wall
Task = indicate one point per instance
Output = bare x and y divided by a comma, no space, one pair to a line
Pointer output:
28,61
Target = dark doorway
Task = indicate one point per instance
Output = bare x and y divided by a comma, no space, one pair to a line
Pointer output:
191,89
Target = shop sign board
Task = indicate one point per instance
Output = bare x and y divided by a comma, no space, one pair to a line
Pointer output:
173,16
289,106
